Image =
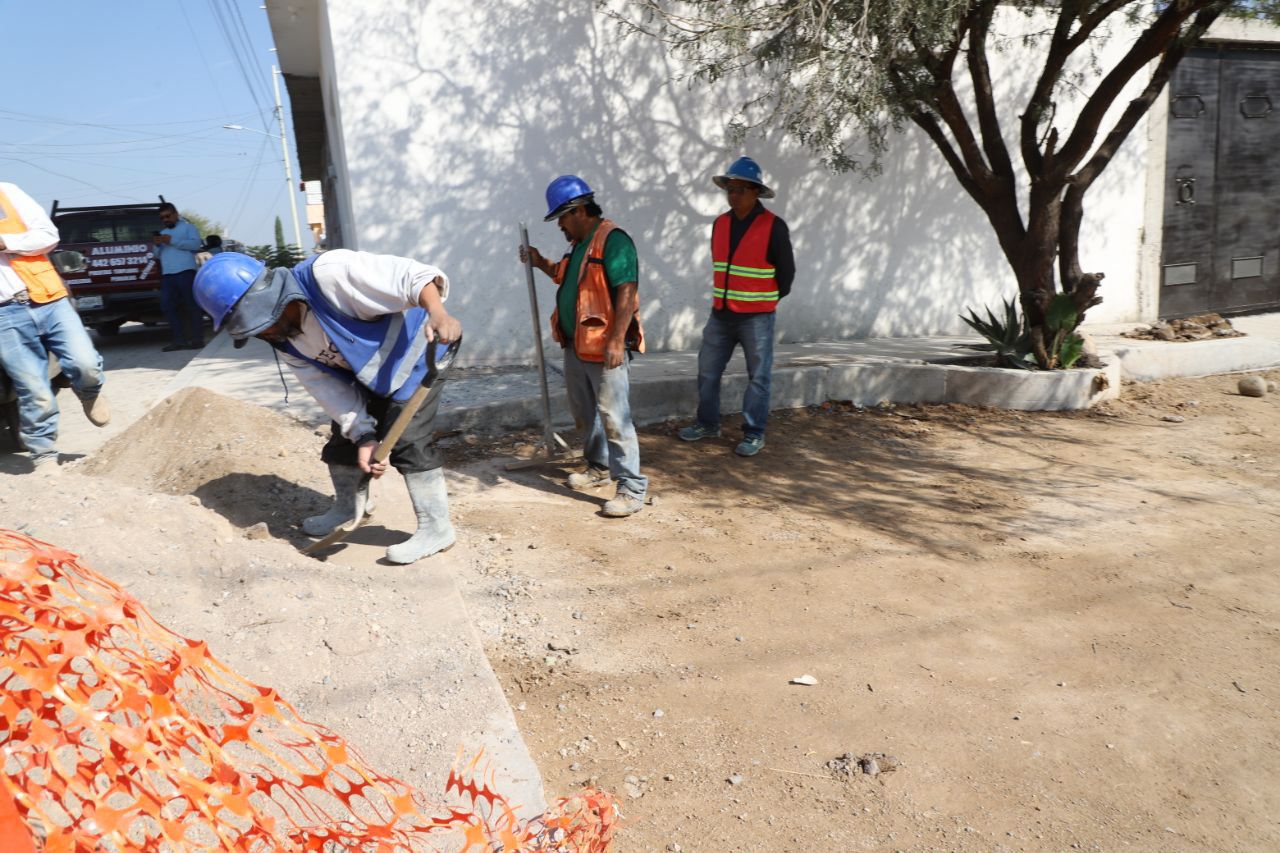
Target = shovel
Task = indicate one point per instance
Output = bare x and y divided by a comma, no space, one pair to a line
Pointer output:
439,357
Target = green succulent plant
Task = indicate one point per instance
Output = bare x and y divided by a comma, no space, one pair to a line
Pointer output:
1007,336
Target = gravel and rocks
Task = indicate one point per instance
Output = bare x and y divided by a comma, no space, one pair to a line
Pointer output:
1199,328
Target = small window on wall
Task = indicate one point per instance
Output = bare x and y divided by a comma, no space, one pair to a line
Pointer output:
1246,267
1186,106
1179,274
1255,106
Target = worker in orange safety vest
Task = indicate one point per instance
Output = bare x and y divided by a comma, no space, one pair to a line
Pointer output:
37,317
597,321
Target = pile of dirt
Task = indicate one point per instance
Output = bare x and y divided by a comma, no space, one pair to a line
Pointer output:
247,463
1198,328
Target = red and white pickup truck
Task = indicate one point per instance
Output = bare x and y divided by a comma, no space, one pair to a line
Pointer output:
107,259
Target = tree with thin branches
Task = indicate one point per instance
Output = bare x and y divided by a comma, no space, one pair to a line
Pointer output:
833,71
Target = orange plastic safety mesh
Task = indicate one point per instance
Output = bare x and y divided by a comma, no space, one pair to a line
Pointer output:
118,734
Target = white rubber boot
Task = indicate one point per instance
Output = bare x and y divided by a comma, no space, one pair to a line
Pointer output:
345,479
431,504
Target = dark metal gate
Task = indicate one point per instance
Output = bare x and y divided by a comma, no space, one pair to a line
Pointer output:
1221,242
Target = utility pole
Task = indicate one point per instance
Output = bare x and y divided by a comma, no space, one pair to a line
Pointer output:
288,170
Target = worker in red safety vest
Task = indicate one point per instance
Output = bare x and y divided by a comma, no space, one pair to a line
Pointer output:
753,269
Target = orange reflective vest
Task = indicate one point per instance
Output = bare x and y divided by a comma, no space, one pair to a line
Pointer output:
37,273
595,303
744,281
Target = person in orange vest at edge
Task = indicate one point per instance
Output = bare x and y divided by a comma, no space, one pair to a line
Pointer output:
597,322
36,318
753,270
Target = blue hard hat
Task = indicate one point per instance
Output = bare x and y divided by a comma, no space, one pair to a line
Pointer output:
744,169
564,193
222,281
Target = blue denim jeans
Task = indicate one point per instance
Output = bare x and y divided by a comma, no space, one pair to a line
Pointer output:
721,334
28,333
178,301
600,401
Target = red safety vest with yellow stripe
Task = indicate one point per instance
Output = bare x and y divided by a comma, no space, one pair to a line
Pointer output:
36,272
745,281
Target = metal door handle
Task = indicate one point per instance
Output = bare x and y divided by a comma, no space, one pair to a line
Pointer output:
1186,191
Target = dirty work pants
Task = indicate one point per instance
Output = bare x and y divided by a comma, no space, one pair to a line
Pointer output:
415,451
178,301
721,334
600,402
28,333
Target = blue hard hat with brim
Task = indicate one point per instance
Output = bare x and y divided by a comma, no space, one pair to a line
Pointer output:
744,169
565,193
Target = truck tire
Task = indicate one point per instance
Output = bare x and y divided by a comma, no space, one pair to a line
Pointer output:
108,330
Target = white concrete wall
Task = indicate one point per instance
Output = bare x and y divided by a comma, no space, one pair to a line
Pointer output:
454,116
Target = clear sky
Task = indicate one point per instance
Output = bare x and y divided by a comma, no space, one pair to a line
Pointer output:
119,102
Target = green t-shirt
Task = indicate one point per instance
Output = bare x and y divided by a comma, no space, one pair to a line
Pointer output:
620,267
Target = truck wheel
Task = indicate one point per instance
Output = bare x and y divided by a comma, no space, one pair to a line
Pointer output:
108,330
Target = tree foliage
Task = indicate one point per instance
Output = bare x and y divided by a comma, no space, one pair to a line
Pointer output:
838,73
283,255
204,225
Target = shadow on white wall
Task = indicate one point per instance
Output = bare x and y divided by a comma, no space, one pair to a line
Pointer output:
456,116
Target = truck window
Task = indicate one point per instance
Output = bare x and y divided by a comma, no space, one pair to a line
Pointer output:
129,230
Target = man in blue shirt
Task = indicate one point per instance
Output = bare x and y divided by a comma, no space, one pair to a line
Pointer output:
176,247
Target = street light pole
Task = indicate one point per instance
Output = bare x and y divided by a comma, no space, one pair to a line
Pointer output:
284,158
284,154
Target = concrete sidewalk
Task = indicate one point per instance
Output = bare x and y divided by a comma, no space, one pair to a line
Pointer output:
866,372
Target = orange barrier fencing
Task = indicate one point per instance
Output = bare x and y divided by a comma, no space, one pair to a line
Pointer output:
118,734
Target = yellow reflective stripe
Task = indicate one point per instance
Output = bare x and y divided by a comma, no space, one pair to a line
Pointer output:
740,272
745,270
748,296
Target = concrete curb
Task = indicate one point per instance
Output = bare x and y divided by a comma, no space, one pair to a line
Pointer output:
1148,361
864,382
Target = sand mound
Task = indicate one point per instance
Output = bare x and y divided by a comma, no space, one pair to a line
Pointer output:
196,436
247,463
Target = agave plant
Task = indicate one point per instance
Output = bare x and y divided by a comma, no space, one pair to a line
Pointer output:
1009,339
1006,337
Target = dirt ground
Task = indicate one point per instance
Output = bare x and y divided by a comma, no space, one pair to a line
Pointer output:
1063,627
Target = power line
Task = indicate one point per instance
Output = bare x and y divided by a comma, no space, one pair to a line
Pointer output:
243,197
31,118
240,53
204,60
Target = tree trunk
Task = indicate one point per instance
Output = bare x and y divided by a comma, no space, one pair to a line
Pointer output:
1030,253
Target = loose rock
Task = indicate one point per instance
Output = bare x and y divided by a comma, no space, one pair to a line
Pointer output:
1252,386
257,531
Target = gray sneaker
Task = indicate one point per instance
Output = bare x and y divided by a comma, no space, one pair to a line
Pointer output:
592,478
623,505
696,432
750,446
